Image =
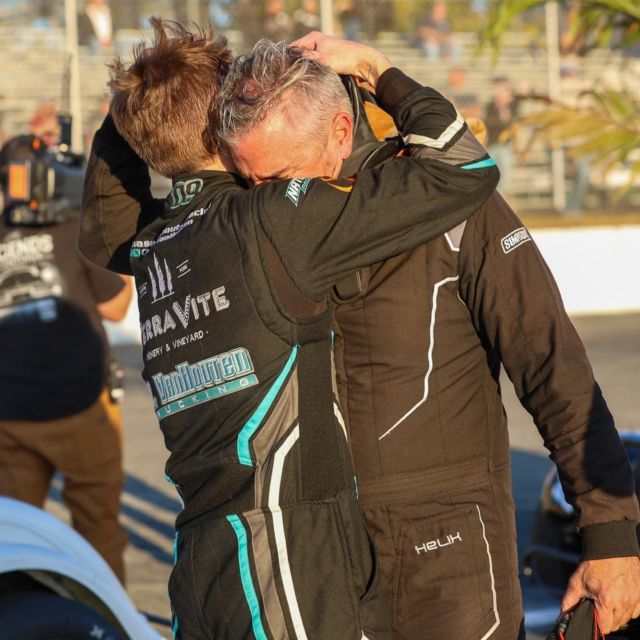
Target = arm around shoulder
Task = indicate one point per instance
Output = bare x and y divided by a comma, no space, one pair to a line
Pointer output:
117,200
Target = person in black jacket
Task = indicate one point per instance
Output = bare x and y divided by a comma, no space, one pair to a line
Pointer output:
56,414
232,288
419,343
437,431
417,377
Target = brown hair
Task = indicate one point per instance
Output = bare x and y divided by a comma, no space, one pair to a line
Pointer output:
161,102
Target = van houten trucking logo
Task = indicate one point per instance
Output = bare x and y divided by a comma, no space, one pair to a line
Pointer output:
189,385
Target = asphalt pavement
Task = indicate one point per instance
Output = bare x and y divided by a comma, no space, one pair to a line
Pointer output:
149,504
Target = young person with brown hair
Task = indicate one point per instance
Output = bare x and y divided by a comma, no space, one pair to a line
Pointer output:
236,334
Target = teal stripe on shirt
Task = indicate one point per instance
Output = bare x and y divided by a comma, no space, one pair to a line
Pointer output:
481,164
252,424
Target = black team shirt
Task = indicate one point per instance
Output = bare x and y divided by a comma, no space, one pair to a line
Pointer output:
52,342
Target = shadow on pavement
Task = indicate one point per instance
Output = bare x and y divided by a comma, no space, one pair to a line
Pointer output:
143,544
541,604
144,491
143,518
528,470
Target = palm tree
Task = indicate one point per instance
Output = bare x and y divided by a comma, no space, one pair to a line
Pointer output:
605,123
593,22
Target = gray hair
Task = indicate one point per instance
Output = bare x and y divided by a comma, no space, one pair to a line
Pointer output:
274,76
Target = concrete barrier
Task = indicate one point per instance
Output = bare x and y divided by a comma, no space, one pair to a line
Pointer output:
597,270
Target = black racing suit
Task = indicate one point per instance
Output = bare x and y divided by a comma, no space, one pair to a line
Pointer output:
232,288
418,354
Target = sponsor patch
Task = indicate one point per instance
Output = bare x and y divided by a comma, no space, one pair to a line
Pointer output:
189,385
184,191
515,239
28,273
181,313
141,248
15,249
296,188
438,543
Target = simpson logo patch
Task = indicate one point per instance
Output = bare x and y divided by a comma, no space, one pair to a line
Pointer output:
296,188
515,239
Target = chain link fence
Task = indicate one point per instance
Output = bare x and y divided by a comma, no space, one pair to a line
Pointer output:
435,42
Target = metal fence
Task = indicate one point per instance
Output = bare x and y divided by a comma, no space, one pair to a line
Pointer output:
436,42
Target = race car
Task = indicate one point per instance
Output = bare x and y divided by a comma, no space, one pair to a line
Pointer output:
54,584
554,550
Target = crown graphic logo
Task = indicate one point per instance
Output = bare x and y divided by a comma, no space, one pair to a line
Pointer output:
162,283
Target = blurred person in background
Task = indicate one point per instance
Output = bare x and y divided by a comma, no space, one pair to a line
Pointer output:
48,15
44,123
480,7
465,100
502,131
95,26
578,171
221,13
632,51
249,20
277,22
376,15
436,34
56,412
306,18
348,14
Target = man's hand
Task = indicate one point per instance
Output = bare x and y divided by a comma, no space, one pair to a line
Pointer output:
614,586
344,56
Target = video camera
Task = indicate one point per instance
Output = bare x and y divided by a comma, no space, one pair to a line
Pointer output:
41,185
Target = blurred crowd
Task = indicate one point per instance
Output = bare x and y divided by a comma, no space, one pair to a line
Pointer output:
430,26
440,35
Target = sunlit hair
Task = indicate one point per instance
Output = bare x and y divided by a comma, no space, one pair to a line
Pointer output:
274,77
161,102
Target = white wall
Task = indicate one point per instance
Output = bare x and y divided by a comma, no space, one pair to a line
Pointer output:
597,270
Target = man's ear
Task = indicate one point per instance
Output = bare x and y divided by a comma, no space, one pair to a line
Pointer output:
342,134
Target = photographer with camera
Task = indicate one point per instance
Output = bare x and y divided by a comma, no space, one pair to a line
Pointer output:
56,412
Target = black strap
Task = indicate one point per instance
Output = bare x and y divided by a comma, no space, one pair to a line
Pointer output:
326,468
580,624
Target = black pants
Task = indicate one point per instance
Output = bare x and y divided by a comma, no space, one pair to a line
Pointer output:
447,553
307,570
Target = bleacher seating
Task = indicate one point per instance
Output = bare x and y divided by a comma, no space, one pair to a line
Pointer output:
33,68
526,67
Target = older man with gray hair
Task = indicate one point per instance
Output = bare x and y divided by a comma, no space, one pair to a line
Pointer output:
232,289
419,341
278,113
